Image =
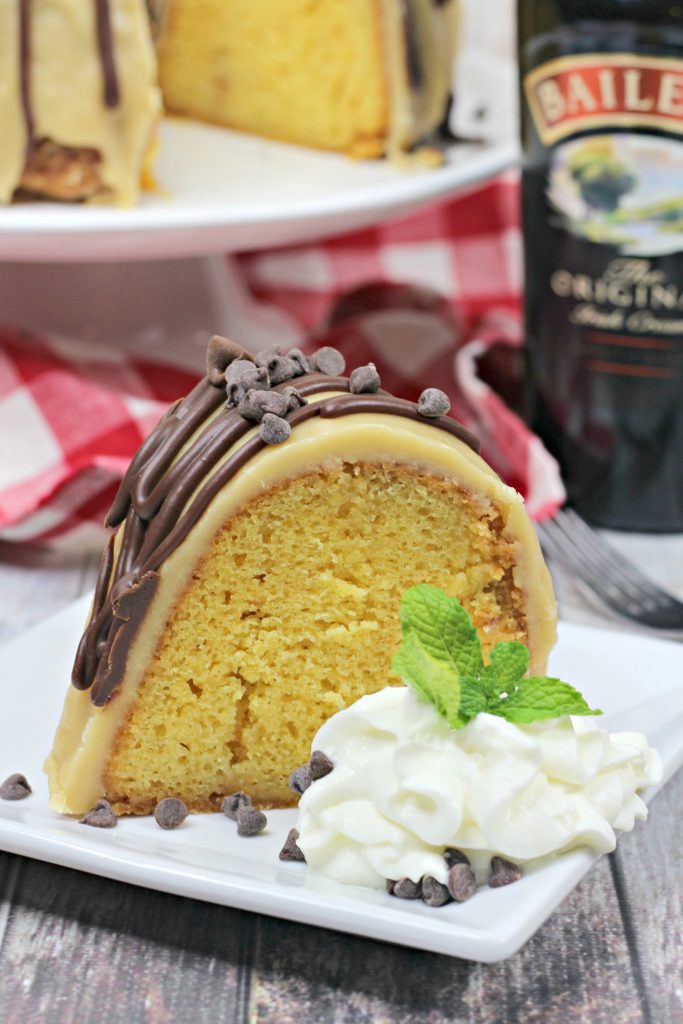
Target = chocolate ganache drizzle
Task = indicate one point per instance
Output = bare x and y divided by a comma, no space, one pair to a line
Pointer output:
155,501
105,49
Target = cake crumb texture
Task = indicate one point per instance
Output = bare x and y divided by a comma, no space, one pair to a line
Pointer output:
292,615
306,71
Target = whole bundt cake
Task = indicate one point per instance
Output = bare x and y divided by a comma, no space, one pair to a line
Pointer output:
266,531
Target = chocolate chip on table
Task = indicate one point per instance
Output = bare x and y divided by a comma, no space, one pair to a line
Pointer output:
101,816
15,787
250,821
300,779
274,429
364,380
320,765
170,812
256,404
462,882
406,889
230,805
328,360
291,849
503,872
219,355
242,375
300,361
434,893
453,856
433,403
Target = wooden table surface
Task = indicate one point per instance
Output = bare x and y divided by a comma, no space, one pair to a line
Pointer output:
76,949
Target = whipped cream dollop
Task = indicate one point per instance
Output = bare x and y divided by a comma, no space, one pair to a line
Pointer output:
405,785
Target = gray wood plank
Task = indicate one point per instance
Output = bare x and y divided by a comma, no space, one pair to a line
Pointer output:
576,970
77,948
649,880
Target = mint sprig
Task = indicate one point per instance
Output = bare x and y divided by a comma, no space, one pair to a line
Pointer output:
440,657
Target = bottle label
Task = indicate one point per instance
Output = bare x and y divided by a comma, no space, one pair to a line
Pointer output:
588,91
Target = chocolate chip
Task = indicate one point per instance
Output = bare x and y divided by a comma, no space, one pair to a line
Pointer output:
291,849
328,360
320,765
170,812
391,885
250,821
242,375
461,882
294,399
280,368
434,893
230,805
219,355
406,889
300,361
15,787
274,429
101,816
300,779
503,872
433,403
364,380
256,404
453,856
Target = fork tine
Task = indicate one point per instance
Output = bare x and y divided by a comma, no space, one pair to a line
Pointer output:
611,559
560,546
607,558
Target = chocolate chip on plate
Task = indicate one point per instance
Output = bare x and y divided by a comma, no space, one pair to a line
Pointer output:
291,850
101,816
250,821
453,856
320,765
300,779
462,882
406,889
170,812
230,805
503,872
434,893
15,787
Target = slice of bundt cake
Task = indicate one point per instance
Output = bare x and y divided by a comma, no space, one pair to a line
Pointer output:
359,76
253,586
78,99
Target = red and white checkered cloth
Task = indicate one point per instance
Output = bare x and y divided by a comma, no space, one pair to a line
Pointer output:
424,298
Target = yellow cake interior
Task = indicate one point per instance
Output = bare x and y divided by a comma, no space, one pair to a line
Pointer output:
308,71
291,615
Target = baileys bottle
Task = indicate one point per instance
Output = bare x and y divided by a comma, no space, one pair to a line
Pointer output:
602,122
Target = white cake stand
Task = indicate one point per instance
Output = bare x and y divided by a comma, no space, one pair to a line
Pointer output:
132,276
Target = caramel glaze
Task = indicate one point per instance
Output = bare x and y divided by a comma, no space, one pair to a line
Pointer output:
105,49
153,499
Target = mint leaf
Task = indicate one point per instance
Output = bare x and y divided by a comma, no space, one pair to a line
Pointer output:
440,657
434,681
541,697
443,627
510,662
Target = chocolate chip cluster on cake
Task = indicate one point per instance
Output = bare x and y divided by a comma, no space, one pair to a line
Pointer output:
263,537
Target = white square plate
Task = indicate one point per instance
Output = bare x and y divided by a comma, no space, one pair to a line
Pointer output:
638,682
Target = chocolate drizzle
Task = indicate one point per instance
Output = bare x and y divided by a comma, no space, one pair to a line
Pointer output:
25,72
156,501
105,47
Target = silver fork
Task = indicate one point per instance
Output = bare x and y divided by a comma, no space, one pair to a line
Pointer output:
584,555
